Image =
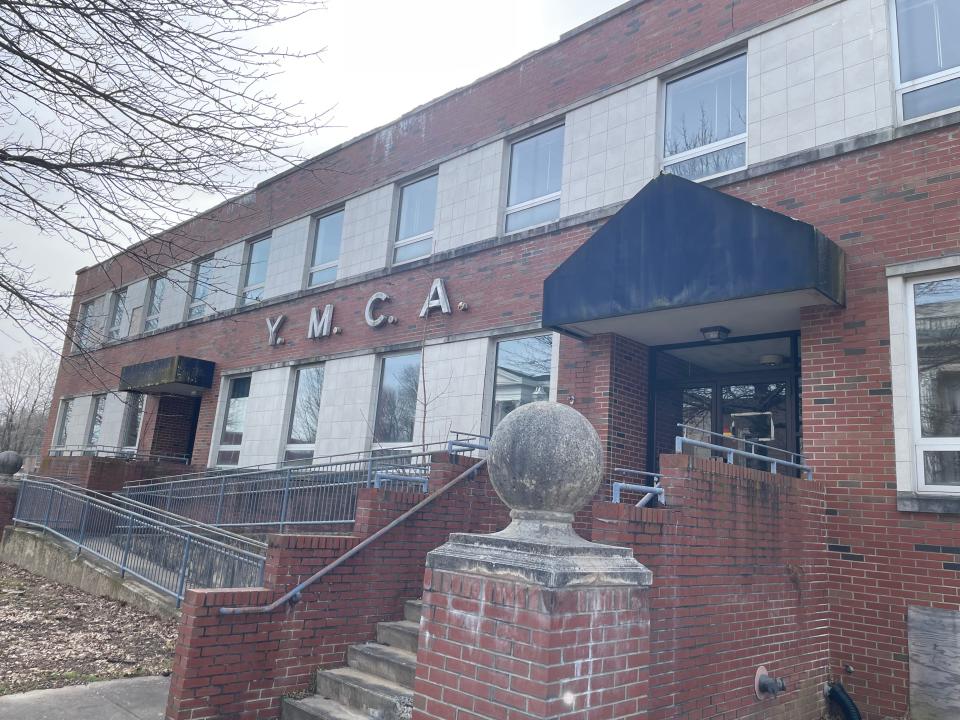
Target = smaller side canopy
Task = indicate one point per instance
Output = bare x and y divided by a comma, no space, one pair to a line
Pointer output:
176,375
680,256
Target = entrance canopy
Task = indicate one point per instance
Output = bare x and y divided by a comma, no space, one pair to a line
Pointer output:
680,256
176,375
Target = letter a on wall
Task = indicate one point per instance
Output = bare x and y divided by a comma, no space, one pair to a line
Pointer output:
436,299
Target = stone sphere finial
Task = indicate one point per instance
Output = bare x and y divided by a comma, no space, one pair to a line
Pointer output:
10,463
545,458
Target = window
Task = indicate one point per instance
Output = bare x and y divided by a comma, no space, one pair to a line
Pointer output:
928,56
63,426
326,249
234,416
158,286
96,420
418,205
523,374
118,311
705,123
536,168
255,278
202,285
302,432
132,421
397,399
84,333
935,393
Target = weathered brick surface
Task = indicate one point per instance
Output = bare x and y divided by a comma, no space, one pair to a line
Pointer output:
492,648
8,503
739,581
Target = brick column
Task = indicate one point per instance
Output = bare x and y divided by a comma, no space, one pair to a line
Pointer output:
534,622
8,502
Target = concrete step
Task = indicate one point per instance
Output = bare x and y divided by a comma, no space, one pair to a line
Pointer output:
363,692
315,707
383,661
412,610
404,634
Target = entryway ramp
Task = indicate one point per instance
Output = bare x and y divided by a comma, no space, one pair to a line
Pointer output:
377,680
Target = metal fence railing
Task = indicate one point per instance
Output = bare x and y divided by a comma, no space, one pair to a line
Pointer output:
142,544
637,487
291,496
119,453
739,451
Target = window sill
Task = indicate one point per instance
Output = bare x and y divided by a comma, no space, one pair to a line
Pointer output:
928,503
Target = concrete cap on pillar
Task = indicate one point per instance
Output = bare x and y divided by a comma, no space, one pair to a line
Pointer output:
546,463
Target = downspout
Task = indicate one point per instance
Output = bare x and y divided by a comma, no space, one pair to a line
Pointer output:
837,694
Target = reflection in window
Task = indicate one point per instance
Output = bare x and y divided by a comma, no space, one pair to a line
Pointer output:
202,285
523,374
256,273
234,416
929,56
86,317
302,433
705,130
96,420
536,168
66,410
118,310
326,249
132,421
158,287
397,399
418,205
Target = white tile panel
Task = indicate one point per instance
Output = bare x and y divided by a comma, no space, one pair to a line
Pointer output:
264,422
451,392
226,278
366,232
174,306
468,197
288,258
345,422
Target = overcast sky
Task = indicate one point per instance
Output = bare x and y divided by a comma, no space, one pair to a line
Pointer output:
382,59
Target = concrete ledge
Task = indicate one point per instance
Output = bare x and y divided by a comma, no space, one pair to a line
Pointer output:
914,502
58,561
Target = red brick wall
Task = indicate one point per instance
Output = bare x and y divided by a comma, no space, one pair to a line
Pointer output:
638,40
8,503
739,575
237,667
174,426
103,474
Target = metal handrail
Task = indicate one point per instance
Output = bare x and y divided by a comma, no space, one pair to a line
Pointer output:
731,438
651,491
730,453
293,595
165,557
114,451
200,528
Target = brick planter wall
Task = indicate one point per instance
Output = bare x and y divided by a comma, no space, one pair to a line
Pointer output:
739,580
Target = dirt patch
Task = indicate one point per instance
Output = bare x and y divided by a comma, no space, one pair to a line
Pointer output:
52,635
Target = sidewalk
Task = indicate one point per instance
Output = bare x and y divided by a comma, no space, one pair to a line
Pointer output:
134,699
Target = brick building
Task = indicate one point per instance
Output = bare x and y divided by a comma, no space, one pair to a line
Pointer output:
743,217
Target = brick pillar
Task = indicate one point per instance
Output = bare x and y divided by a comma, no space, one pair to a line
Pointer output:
534,622
8,502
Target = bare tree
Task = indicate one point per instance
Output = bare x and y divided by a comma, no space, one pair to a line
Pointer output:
26,389
117,113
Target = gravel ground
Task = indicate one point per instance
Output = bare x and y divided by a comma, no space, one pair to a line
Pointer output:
52,635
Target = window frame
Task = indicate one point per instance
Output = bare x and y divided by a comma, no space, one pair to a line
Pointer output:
920,444
291,413
118,301
151,296
741,139
490,397
83,331
63,421
312,250
508,209
220,446
193,303
901,88
246,286
380,369
413,239
90,443
135,409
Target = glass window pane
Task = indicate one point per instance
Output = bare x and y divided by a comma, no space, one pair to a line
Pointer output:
298,457
228,457
927,37
933,99
156,296
118,312
714,163
96,421
536,215
937,320
536,166
418,205
326,246
64,422
397,399
706,107
133,418
257,262
202,284
236,412
412,251
322,277
253,295
523,374
941,467
306,406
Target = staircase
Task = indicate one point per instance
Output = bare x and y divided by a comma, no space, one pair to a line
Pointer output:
377,681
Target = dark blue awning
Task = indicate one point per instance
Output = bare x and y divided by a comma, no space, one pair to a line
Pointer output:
176,375
680,256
